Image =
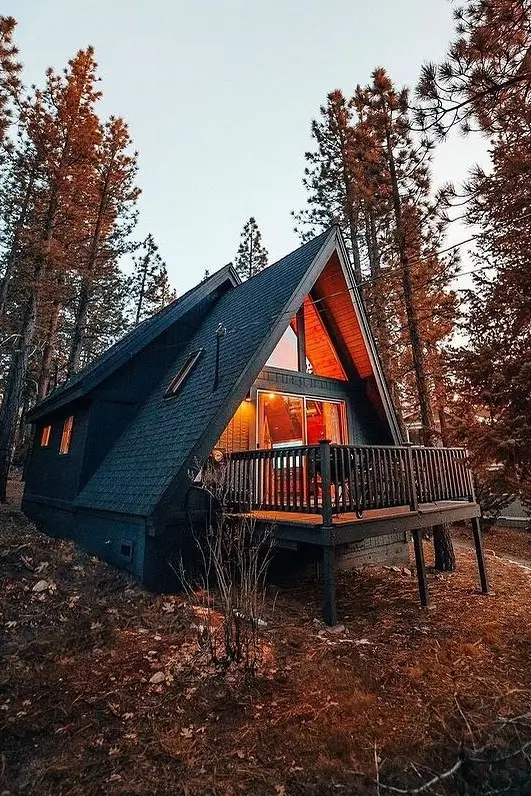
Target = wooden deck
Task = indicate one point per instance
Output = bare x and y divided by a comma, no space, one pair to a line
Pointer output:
292,518
292,528
427,511
331,495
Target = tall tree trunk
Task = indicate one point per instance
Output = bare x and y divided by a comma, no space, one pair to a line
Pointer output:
46,362
443,548
353,220
415,339
86,283
351,209
12,257
380,326
78,335
378,309
13,396
18,369
23,432
442,542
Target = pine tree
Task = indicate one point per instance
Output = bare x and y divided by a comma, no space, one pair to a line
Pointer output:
487,65
9,73
251,257
408,177
342,178
113,195
59,126
160,293
372,177
483,85
331,180
148,265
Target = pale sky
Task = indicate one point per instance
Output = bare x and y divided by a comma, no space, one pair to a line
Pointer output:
219,96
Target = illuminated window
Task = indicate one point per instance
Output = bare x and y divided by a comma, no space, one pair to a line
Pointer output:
66,436
310,343
45,436
285,354
287,420
177,381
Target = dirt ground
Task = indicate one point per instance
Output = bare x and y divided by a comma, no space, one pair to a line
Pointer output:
393,699
499,541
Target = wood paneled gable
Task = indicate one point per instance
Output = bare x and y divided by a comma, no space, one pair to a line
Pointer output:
333,297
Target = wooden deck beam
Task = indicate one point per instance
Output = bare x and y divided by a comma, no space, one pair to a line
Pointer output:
348,528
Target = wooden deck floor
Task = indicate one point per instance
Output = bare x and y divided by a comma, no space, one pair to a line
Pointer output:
314,520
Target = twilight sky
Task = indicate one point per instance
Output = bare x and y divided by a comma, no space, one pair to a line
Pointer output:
219,95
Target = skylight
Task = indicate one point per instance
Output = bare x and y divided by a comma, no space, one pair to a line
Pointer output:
176,383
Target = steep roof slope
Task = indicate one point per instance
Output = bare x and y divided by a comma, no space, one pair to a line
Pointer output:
167,435
132,344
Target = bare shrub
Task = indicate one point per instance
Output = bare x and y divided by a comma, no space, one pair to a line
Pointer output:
235,552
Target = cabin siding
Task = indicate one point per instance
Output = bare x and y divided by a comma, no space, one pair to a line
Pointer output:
50,473
119,539
55,517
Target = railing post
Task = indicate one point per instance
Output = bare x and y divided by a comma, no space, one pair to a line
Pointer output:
326,482
472,491
413,497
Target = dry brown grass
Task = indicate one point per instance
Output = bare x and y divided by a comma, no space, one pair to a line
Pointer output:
79,714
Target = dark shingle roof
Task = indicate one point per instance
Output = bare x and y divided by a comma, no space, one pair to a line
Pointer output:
159,446
131,344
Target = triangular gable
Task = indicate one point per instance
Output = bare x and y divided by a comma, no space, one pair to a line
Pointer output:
337,286
131,344
151,463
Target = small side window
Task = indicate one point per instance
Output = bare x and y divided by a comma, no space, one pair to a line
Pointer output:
45,436
66,436
177,381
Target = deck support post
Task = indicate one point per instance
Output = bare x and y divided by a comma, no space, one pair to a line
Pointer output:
478,542
421,567
329,585
326,482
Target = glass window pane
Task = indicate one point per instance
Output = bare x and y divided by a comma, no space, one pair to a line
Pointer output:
285,354
281,420
324,420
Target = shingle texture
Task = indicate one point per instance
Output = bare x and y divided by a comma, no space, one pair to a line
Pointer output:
127,347
160,444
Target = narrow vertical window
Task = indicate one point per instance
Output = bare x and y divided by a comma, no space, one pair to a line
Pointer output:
66,436
45,436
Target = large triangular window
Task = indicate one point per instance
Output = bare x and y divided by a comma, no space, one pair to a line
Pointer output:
306,345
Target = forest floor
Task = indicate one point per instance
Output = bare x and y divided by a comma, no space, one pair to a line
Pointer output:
509,543
103,689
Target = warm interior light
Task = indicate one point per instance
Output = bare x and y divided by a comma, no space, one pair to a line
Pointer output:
272,395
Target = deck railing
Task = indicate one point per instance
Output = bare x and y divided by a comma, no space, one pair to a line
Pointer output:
331,479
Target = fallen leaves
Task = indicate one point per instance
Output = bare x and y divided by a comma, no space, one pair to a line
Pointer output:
42,586
106,690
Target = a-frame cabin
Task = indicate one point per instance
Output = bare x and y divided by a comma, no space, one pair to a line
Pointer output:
279,377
